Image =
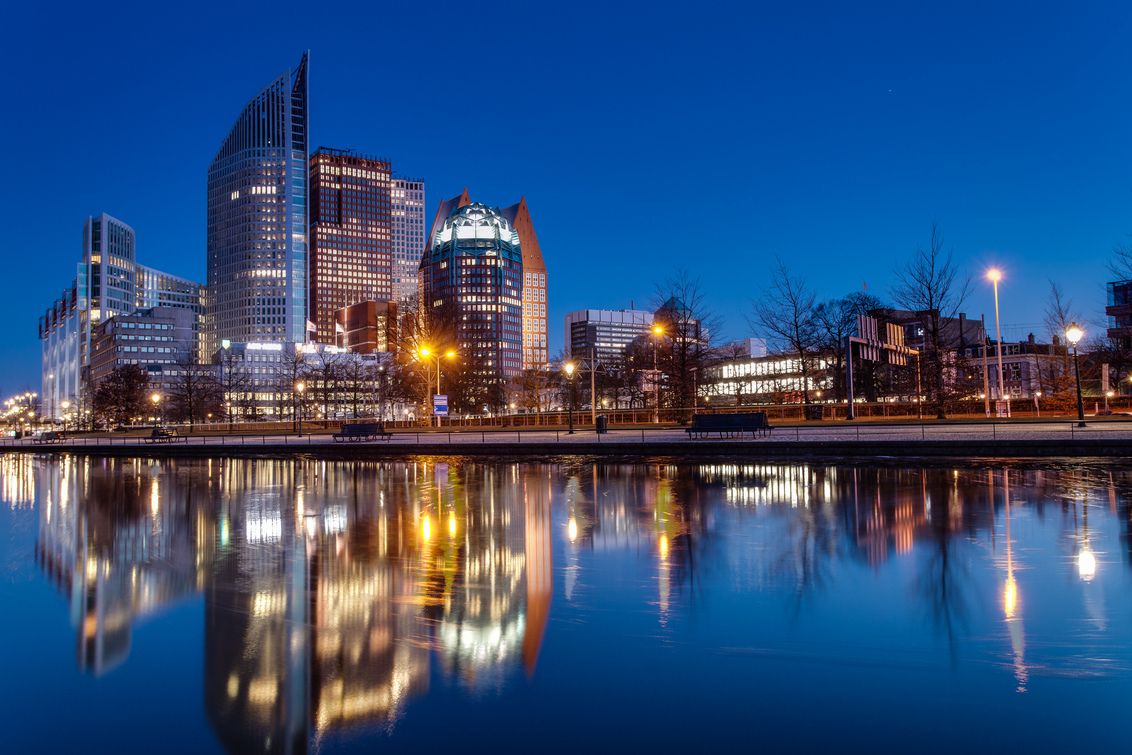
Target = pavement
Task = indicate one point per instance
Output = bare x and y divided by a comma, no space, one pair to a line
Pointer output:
1053,438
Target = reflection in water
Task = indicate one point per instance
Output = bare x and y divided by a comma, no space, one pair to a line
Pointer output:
335,591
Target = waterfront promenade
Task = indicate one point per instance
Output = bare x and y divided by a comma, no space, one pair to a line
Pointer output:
1111,438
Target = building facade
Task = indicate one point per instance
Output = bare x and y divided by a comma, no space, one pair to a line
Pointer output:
1029,369
534,283
351,245
367,327
160,340
604,333
772,379
472,276
534,287
108,283
257,219
407,198
1118,310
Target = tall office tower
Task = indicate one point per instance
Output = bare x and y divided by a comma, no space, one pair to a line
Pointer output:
534,284
108,282
471,278
408,236
351,250
257,219
534,287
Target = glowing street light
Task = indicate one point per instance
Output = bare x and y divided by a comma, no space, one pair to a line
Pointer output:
300,387
658,332
569,368
994,275
427,352
1074,334
155,398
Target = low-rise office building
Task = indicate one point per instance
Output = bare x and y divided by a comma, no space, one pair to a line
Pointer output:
604,333
108,282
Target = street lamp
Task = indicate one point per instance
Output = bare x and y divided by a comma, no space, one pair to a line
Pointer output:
300,386
1074,334
66,405
994,275
225,367
155,397
1037,405
657,331
1107,396
426,352
569,368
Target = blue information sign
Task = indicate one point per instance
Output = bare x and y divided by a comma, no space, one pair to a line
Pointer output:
440,405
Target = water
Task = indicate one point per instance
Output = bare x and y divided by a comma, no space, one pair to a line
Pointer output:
268,605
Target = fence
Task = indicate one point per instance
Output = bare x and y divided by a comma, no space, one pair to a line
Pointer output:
643,434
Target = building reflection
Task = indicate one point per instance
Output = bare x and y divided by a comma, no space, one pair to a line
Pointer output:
333,591
118,544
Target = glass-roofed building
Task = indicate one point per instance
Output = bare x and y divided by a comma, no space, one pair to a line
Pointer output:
472,277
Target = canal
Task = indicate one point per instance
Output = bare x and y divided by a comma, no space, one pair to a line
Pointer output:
300,605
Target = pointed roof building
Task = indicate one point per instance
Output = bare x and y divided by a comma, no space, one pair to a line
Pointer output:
534,272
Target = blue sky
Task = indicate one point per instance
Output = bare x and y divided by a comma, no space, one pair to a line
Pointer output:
646,139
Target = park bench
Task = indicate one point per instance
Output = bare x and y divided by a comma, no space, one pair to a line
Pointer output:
729,425
162,435
49,436
359,432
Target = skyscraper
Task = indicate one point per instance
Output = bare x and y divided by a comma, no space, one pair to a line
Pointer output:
351,250
534,284
471,278
534,287
408,236
257,219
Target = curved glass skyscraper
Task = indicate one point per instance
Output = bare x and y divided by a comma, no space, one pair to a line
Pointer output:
257,219
472,275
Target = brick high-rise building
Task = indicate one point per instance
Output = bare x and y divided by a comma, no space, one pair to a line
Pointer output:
534,286
351,245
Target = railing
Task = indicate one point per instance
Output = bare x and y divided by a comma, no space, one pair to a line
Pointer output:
1058,429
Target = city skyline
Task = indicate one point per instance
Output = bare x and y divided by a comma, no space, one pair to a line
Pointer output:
1017,153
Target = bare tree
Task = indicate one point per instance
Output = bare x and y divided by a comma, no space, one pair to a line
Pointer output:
684,348
1121,263
285,375
1059,312
236,385
787,314
195,393
931,284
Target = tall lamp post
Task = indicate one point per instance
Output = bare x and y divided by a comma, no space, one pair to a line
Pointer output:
657,331
299,388
994,275
569,368
1074,334
225,345
155,397
66,405
426,352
